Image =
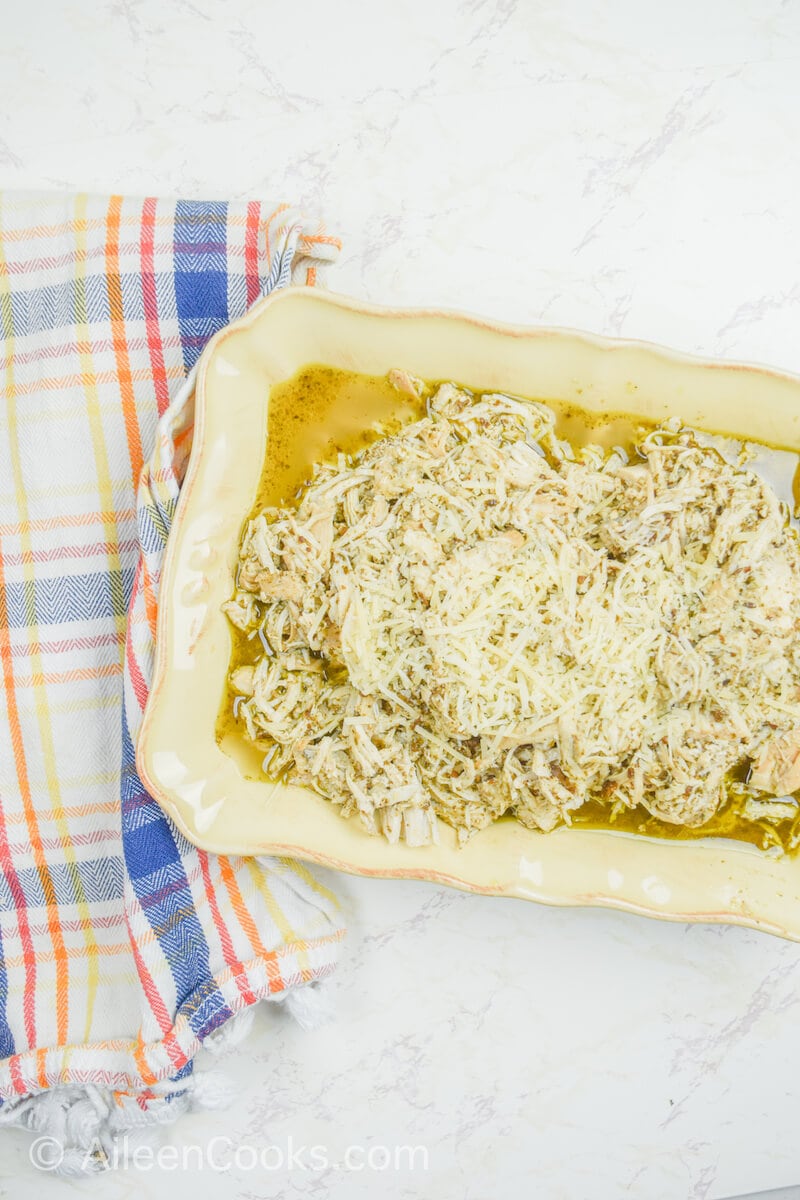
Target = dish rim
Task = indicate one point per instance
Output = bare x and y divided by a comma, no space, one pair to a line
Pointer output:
533,332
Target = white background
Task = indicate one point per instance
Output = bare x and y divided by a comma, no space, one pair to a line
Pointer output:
629,167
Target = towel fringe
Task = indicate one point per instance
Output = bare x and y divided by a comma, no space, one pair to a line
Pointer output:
83,1129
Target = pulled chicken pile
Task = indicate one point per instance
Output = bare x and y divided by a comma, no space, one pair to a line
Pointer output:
470,619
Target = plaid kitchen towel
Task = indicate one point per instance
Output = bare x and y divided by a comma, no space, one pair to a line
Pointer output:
122,947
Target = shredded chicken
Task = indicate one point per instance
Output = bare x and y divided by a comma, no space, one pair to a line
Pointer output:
470,619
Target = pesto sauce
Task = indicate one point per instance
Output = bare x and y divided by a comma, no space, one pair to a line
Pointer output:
323,411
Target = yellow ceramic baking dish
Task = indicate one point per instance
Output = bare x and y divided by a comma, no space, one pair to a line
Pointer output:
212,789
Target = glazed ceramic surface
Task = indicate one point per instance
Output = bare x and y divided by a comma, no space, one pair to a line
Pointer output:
213,790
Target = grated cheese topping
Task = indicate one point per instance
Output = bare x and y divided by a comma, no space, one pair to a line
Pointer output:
471,619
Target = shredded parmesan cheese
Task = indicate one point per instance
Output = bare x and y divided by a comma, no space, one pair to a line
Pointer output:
470,619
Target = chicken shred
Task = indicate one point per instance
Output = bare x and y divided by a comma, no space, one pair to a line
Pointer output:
469,619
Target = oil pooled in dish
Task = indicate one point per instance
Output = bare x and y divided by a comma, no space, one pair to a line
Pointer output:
462,615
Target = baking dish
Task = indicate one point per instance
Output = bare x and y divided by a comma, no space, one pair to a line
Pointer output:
212,788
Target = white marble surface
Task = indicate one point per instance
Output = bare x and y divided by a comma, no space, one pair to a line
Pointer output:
627,166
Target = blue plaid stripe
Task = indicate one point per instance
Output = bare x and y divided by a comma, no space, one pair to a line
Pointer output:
95,880
69,598
44,309
201,274
152,534
155,866
154,854
6,1037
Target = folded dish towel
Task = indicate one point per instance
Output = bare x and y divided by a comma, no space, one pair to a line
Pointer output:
122,948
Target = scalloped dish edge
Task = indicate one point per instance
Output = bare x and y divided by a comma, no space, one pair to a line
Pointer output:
208,788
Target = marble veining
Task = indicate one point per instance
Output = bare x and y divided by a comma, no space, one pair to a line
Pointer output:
626,167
